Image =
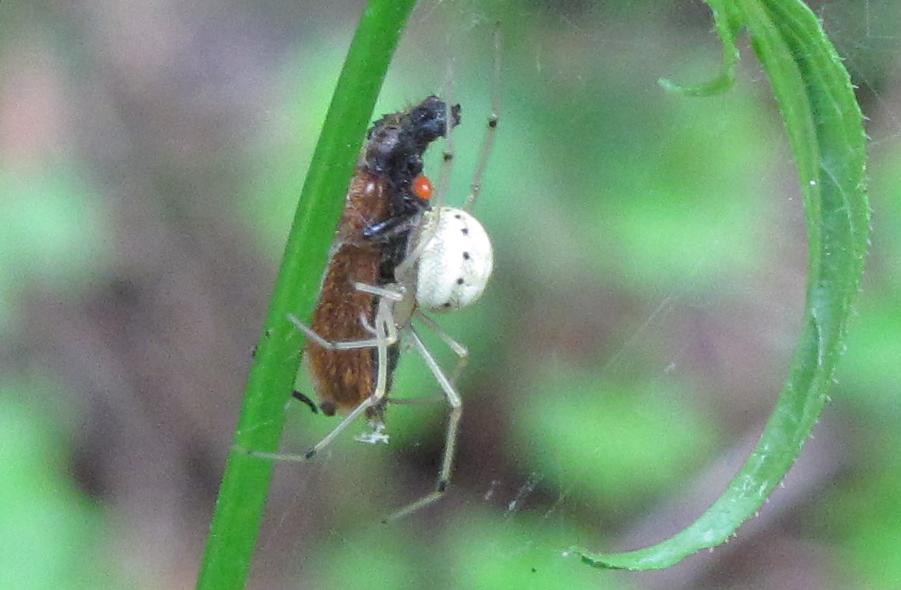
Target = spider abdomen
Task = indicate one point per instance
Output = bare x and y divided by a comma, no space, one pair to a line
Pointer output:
456,263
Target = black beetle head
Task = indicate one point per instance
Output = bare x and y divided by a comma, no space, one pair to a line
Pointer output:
428,120
397,141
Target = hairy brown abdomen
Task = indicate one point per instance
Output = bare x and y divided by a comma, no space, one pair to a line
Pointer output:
344,378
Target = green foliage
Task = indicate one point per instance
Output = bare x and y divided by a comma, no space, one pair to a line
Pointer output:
51,532
482,550
861,511
524,553
59,241
619,440
825,129
725,240
871,371
727,28
378,562
271,196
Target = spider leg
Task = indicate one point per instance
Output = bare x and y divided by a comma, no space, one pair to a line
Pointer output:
364,321
459,349
450,444
493,118
386,334
391,293
342,345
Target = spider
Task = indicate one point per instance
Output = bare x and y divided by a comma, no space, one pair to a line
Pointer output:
398,253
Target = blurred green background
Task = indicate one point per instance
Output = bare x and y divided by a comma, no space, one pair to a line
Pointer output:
650,264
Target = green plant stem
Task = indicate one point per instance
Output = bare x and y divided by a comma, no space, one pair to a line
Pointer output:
245,484
825,130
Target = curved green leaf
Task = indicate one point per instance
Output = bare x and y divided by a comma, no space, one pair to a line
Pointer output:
727,27
245,485
825,129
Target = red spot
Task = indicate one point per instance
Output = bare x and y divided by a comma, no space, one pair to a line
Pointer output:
422,188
